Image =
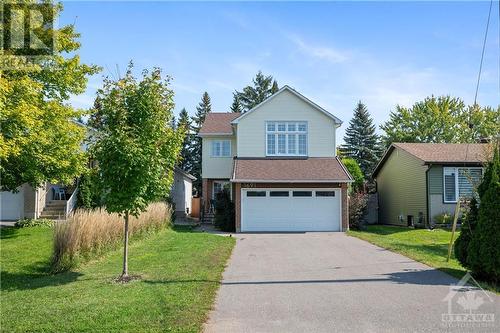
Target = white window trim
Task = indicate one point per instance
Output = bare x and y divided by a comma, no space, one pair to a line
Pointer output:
212,153
275,132
223,183
457,190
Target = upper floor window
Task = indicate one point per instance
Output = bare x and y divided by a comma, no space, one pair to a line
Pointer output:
287,138
460,182
221,148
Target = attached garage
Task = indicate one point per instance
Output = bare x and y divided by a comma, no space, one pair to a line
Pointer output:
291,209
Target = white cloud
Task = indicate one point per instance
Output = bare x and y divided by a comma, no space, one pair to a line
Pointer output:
322,52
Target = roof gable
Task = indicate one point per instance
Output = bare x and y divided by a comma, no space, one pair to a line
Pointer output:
295,93
439,153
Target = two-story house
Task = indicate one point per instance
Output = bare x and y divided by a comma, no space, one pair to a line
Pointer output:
279,162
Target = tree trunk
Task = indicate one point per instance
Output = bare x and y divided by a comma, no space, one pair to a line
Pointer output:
125,249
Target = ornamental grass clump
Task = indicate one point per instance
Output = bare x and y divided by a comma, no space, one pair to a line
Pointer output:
90,233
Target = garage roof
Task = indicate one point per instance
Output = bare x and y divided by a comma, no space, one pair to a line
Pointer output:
300,170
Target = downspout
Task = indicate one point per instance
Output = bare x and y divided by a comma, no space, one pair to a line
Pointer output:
427,220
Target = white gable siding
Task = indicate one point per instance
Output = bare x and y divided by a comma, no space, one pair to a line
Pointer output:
251,132
217,167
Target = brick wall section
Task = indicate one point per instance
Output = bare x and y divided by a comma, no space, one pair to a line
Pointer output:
237,205
206,185
345,207
342,186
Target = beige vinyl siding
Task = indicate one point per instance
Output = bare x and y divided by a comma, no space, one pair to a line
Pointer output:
251,131
401,188
217,167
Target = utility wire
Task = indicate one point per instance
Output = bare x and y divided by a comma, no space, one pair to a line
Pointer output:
482,53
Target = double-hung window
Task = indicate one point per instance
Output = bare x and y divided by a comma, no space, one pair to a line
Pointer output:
221,148
286,138
460,182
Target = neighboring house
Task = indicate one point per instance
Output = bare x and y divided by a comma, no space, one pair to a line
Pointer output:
278,160
52,201
418,181
182,192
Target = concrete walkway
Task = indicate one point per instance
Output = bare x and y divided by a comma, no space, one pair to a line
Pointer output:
330,282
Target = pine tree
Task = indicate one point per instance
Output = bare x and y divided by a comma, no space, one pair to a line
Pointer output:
263,87
186,162
236,106
274,88
203,108
361,142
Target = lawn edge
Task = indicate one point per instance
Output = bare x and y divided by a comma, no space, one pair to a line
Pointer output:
482,284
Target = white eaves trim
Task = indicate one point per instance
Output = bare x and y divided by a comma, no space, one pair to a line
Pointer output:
296,93
291,181
201,135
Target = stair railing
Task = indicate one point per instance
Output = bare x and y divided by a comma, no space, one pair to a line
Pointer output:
72,201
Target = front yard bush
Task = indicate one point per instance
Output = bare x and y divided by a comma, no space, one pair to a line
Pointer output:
357,208
224,212
90,233
28,223
469,224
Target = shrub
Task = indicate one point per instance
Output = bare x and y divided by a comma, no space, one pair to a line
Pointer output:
483,257
353,167
443,218
27,223
357,208
89,193
224,212
90,233
467,230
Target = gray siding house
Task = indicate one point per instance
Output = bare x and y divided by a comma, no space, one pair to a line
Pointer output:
417,182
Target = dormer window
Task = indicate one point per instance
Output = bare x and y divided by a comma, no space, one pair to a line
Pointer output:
286,138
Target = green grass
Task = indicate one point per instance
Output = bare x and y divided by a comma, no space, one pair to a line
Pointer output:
427,246
180,274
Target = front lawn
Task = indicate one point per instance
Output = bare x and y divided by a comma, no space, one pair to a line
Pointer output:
180,273
427,246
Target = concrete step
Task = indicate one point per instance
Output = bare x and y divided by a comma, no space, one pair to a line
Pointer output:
51,217
53,211
57,203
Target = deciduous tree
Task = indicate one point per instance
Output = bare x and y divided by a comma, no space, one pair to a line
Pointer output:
40,138
136,148
441,120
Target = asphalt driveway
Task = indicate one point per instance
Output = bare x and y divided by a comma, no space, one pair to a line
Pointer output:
330,282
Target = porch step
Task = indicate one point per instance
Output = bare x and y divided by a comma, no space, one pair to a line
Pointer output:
56,203
54,210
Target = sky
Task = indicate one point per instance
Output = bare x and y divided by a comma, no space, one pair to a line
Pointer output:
335,53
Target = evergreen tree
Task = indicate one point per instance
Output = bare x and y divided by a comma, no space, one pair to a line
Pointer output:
361,142
274,88
263,87
236,106
483,253
203,108
186,162
467,229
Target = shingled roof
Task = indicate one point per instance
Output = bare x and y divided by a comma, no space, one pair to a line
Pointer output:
218,123
313,169
440,153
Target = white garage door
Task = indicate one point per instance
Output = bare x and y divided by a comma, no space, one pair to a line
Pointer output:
290,209
11,205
